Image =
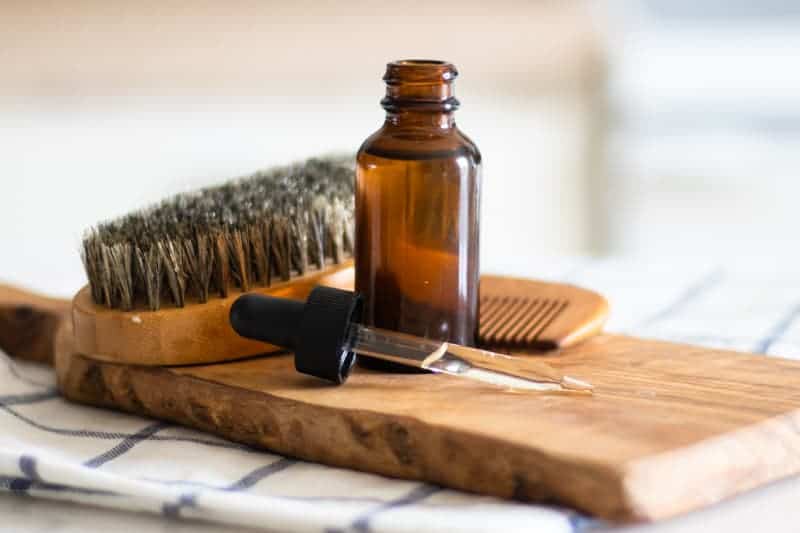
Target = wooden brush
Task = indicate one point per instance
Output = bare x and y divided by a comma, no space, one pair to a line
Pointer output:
161,280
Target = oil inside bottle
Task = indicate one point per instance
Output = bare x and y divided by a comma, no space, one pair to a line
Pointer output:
417,244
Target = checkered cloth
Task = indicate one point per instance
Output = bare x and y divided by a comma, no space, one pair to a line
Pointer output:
52,449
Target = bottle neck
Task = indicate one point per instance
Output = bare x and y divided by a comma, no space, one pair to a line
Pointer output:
419,94
420,119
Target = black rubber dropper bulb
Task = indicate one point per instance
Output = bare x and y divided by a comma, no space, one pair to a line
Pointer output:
315,330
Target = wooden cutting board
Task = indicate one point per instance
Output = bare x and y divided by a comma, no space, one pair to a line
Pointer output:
670,427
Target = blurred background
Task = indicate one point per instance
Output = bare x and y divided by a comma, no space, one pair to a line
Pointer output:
654,128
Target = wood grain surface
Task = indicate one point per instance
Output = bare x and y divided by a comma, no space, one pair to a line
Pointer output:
669,427
33,326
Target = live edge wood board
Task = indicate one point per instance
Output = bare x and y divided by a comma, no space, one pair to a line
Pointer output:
669,428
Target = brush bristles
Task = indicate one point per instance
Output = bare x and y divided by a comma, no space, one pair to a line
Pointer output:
249,232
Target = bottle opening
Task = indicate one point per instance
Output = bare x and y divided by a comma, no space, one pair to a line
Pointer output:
411,71
419,62
420,84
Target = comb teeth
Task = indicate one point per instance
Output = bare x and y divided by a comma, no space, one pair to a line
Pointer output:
270,226
516,321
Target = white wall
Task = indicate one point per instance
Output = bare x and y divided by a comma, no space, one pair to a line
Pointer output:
106,108
706,144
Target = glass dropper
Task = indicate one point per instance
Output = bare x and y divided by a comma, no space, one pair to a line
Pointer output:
324,334
460,361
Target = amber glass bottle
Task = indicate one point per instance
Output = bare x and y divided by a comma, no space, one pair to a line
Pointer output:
417,207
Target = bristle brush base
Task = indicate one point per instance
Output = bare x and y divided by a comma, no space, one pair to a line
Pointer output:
197,333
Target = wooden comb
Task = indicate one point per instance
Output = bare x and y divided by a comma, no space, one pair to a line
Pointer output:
516,314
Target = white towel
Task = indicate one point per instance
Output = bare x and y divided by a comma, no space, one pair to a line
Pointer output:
50,448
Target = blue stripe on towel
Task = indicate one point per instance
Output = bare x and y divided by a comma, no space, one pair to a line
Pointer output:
691,293
32,480
126,445
109,435
261,473
14,371
189,499
28,398
419,493
777,331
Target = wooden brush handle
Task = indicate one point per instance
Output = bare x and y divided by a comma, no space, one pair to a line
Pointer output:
198,333
33,326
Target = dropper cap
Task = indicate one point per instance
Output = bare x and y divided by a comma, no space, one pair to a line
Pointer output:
324,334
315,330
